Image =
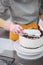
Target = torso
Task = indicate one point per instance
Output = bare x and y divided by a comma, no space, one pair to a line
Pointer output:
24,12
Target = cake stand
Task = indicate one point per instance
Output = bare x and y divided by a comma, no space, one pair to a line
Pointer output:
28,53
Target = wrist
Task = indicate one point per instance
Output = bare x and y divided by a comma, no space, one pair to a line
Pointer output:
9,26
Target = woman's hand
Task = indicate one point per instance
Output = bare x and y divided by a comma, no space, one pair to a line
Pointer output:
15,28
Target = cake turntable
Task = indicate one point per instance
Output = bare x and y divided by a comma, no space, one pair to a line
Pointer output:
28,53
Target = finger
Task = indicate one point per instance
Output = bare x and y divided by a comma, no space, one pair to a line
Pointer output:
15,31
20,27
20,31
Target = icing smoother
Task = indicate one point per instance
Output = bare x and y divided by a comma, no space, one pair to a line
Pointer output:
41,24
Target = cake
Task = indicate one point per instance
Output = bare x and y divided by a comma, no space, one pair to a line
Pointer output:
31,38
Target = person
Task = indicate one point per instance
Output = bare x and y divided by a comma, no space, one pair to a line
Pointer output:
23,14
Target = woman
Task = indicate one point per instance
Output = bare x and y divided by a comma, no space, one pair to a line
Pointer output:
22,12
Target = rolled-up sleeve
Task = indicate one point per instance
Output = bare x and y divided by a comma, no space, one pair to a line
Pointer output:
4,8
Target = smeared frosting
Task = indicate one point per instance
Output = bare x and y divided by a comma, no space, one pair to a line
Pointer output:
32,32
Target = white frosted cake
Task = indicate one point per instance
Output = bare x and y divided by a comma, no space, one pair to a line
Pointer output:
31,38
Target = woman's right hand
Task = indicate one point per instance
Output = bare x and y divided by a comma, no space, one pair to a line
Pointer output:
15,28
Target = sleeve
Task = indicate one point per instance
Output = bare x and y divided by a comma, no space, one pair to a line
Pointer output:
4,6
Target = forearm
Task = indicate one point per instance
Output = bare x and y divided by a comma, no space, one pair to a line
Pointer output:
3,23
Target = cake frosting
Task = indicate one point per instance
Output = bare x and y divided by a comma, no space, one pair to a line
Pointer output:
31,38
32,32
